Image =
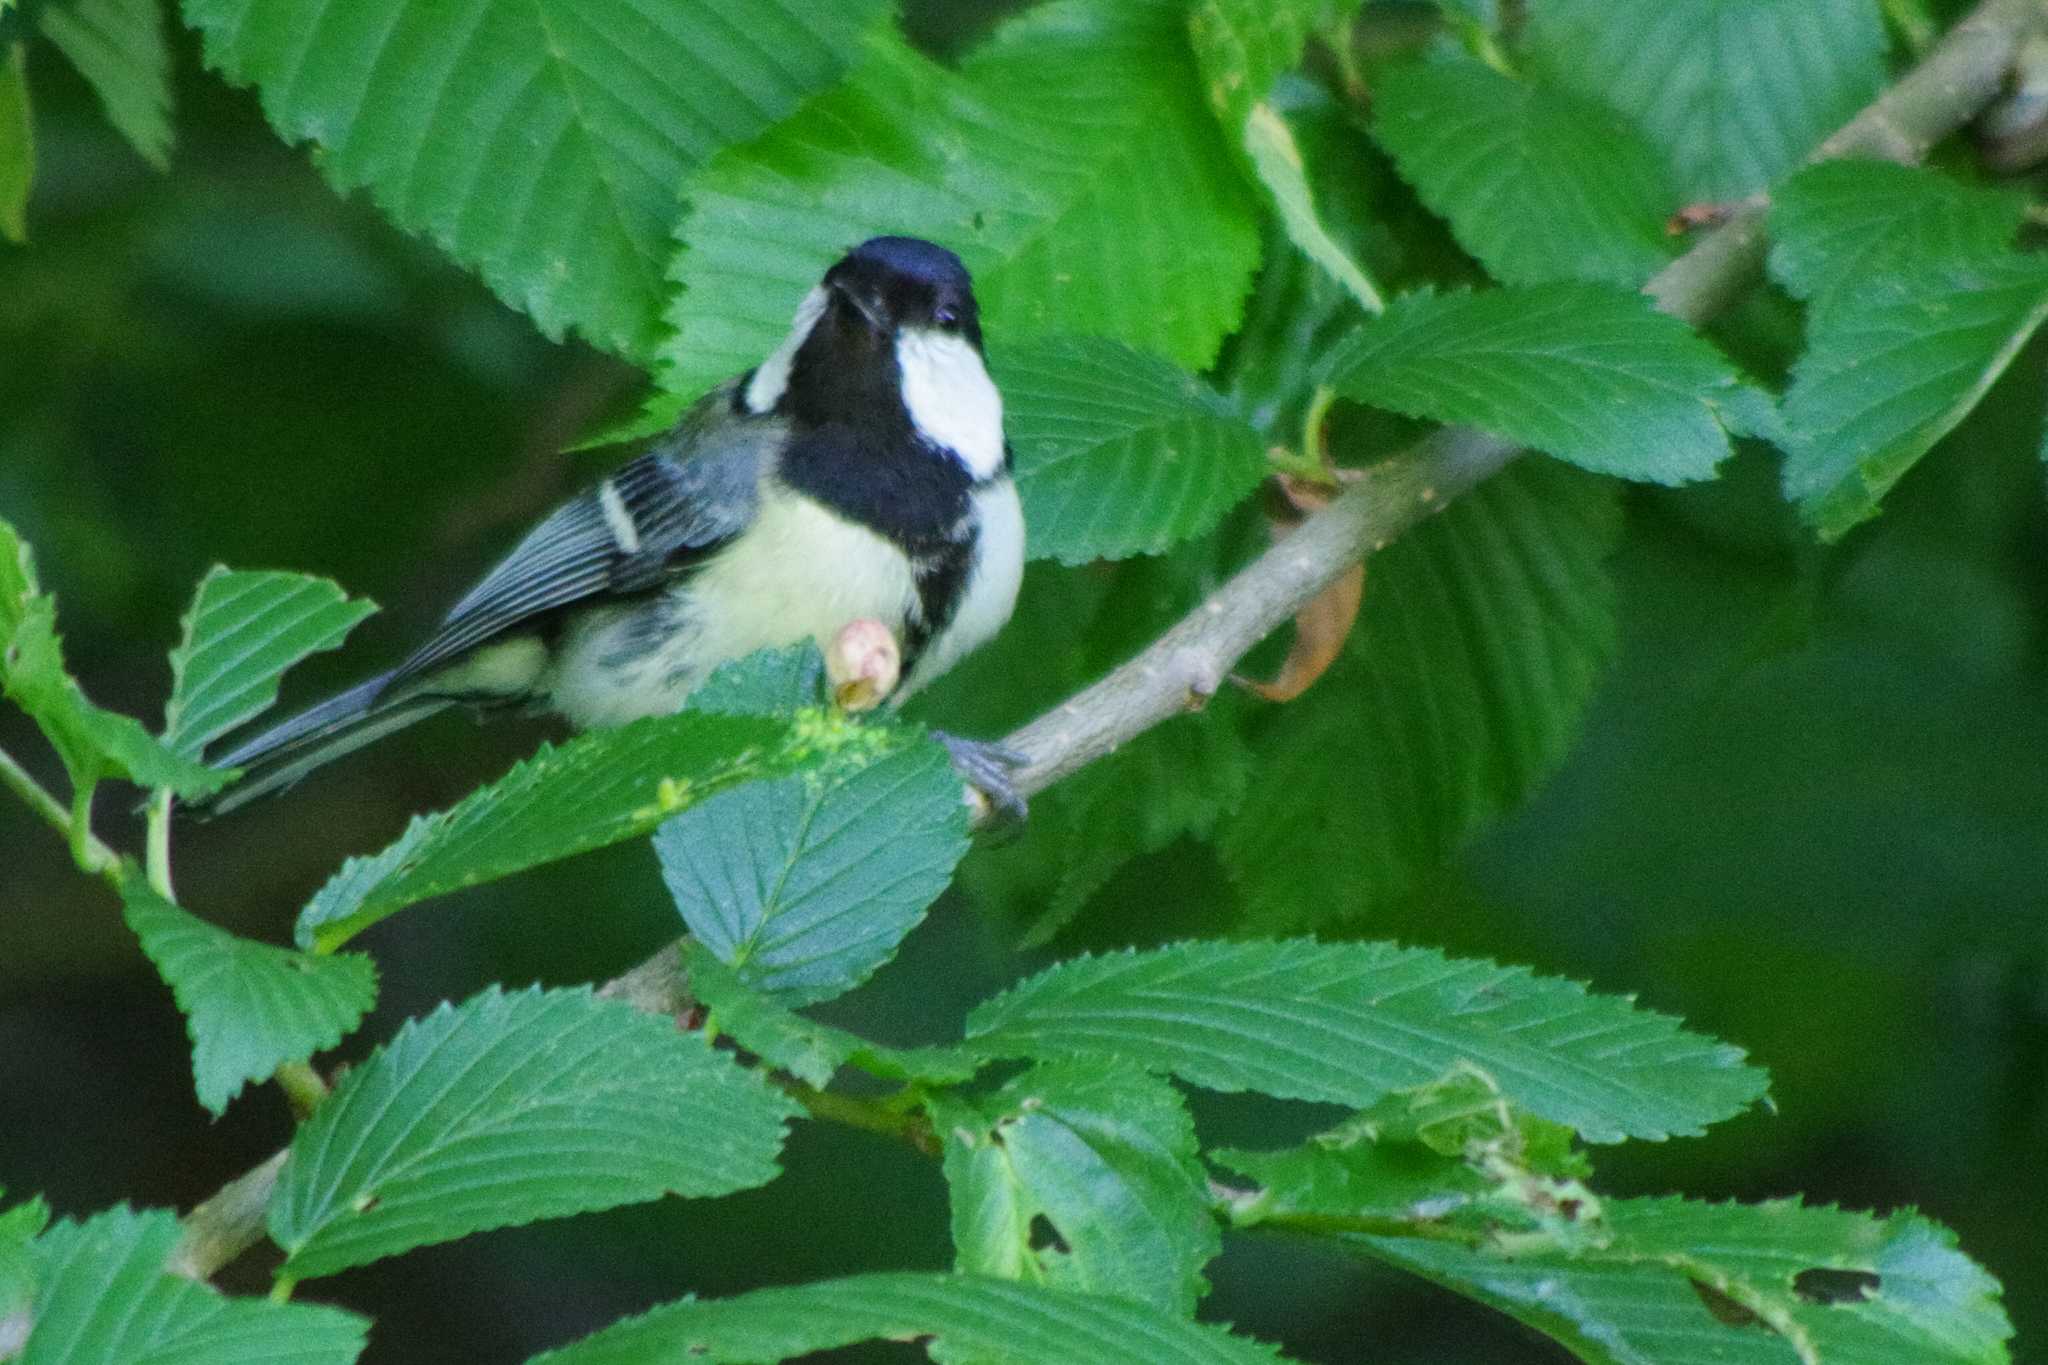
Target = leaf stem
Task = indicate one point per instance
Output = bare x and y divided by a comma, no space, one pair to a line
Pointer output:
873,1116
303,1088
31,791
74,824
81,827
1315,434
1915,26
1362,1224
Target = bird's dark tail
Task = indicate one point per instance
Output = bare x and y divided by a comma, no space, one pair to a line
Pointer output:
280,756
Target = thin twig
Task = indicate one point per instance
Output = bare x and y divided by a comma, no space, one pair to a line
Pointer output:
1180,670
228,1224
28,789
91,855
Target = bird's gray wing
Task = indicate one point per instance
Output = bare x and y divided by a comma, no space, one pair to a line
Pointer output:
654,516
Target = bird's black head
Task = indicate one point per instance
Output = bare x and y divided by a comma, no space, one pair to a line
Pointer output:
890,283
886,352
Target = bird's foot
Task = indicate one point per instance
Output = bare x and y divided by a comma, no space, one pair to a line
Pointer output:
987,766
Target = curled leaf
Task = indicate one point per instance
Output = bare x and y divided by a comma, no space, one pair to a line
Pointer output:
1321,625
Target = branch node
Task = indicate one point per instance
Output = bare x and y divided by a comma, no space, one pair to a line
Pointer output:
1199,674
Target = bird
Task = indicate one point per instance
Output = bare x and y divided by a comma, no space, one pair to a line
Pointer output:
859,472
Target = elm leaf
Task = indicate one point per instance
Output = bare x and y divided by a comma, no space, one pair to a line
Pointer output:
1119,452
1347,1023
249,1007
542,145
514,1107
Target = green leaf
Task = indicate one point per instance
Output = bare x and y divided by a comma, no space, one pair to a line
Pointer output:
1297,315
1480,640
511,1108
93,742
1448,1160
241,634
1175,782
1538,183
1592,375
1103,1153
1347,1023
1069,161
768,682
249,1007
810,1051
806,884
542,145
1733,92
1242,47
19,1226
1844,223
1893,366
17,144
1784,1283
1919,304
966,1318
1276,159
122,50
597,789
106,1298
19,590
1118,452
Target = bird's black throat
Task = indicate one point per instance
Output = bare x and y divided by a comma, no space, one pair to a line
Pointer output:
854,446
855,449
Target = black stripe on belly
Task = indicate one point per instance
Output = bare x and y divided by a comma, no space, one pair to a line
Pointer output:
941,586
913,495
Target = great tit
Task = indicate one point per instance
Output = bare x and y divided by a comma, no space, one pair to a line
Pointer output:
859,472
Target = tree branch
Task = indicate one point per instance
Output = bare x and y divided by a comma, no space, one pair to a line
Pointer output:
1959,77
1185,666
228,1224
1182,669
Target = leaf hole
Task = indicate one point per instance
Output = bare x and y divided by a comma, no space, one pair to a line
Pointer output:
1820,1284
1046,1237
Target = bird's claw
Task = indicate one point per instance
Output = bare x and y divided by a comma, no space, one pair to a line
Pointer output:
986,766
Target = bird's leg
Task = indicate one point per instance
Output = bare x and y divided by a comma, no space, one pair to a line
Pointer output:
986,766
862,666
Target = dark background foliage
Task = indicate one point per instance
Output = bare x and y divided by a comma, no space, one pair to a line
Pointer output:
1805,813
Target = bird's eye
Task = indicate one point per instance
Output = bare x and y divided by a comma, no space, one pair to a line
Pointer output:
947,317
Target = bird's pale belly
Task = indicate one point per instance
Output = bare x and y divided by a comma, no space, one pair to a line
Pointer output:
799,572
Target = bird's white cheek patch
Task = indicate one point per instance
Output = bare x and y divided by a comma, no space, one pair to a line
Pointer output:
771,376
950,397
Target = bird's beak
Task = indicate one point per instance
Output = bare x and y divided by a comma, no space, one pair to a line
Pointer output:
875,321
